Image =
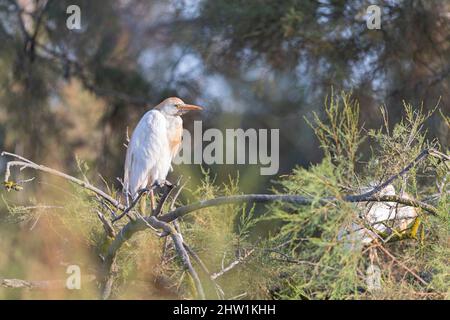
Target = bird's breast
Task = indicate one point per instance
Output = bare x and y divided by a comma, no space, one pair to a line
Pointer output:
175,134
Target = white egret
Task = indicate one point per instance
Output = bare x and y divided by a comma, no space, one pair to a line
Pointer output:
382,217
154,143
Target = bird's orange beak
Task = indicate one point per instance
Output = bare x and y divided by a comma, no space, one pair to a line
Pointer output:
188,107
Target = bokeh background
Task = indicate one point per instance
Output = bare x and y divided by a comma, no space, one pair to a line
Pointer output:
69,96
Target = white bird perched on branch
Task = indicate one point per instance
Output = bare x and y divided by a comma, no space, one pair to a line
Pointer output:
379,217
383,217
154,143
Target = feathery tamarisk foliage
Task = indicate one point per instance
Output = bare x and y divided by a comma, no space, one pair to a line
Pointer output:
293,243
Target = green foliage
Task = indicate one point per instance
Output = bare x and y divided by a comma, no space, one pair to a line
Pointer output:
285,251
309,238
221,235
340,136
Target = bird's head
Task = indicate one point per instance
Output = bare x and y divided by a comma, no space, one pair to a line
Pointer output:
175,107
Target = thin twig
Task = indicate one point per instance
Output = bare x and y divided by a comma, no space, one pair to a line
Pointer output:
141,193
232,265
163,200
24,163
402,265
109,229
219,290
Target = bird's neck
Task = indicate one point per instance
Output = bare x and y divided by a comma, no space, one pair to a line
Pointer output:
170,118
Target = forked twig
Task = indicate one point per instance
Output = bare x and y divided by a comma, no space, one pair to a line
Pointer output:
141,193
232,265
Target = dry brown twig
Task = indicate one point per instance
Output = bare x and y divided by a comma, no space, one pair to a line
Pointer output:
401,264
107,225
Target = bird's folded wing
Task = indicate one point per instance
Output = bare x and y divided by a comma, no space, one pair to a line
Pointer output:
147,143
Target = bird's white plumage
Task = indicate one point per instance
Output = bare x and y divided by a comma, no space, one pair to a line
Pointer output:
148,155
380,216
153,145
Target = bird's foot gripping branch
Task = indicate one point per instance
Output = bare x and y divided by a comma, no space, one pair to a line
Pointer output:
163,219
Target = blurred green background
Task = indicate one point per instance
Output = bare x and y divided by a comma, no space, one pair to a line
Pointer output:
251,64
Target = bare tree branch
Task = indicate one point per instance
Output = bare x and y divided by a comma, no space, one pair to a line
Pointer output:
298,200
109,229
25,163
178,241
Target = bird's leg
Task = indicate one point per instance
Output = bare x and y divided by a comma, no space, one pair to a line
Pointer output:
152,200
156,184
127,198
142,205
